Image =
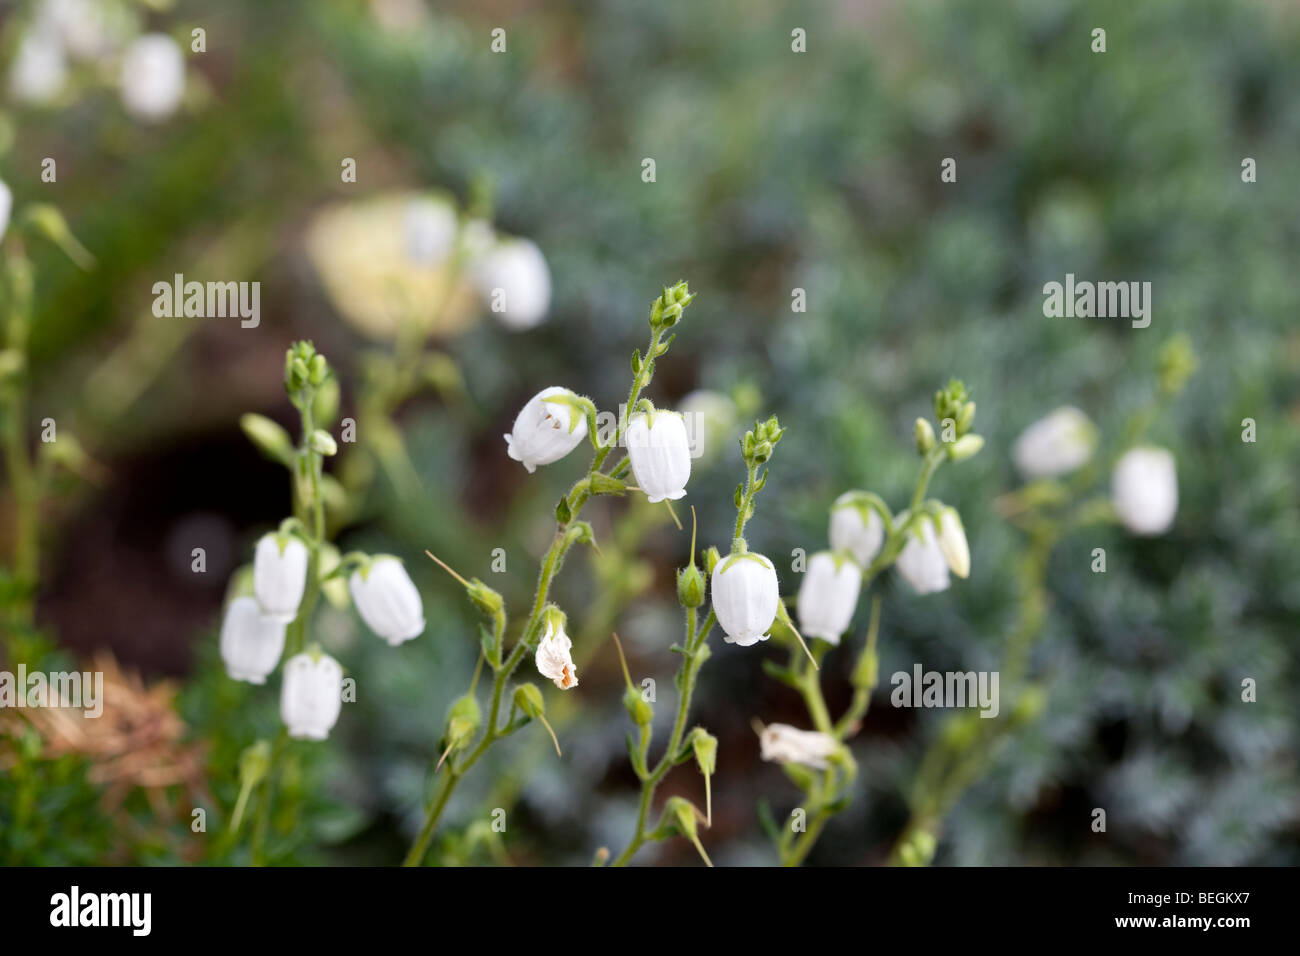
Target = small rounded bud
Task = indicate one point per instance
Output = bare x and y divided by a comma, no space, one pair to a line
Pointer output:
322,442
528,698
924,436
318,369
690,586
965,447
638,708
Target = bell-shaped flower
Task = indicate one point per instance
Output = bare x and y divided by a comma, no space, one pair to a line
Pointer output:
251,642
952,542
745,597
279,576
430,227
513,276
554,656
387,599
547,428
1055,445
660,451
921,562
856,528
785,744
828,595
153,77
311,696
39,69
1145,490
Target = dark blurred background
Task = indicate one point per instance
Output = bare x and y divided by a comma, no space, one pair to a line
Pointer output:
775,170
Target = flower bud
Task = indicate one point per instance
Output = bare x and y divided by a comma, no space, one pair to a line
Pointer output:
952,542
921,562
554,659
1055,445
690,586
153,77
322,442
463,720
638,708
711,559
312,695
745,597
547,428
867,669
705,746
924,436
828,596
856,528
387,600
254,762
660,452
968,446
251,643
270,439
528,698
279,576
1145,490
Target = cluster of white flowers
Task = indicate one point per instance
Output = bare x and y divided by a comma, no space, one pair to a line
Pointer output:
150,67
1144,485
253,631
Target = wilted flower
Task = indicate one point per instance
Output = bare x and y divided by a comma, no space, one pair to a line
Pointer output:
1145,490
922,562
828,596
660,452
745,597
312,695
518,269
251,643
554,660
545,431
430,226
856,528
785,744
1055,445
39,68
952,542
153,77
279,576
387,600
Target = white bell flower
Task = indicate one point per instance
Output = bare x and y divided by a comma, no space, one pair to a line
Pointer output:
311,696
921,562
828,596
952,542
1055,445
251,643
660,451
1145,490
547,428
856,528
279,576
515,270
153,77
39,68
388,600
745,597
785,744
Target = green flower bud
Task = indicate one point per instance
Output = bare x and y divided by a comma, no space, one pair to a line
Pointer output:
318,369
867,669
270,439
254,763
965,418
711,559
463,720
528,698
690,586
638,708
484,598
965,447
322,442
924,436
705,746
325,406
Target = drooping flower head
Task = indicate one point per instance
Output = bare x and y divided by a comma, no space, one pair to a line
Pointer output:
554,658
547,428
251,642
153,77
745,597
279,575
856,528
1145,490
1055,445
785,744
660,451
312,695
387,599
516,271
921,562
828,595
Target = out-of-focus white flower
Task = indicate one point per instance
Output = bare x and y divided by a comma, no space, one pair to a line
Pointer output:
921,562
279,576
856,528
785,744
517,271
86,28
745,597
6,207
430,226
547,428
554,660
660,451
1145,490
952,542
251,643
828,596
39,68
1055,445
311,696
153,77
388,600
708,416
